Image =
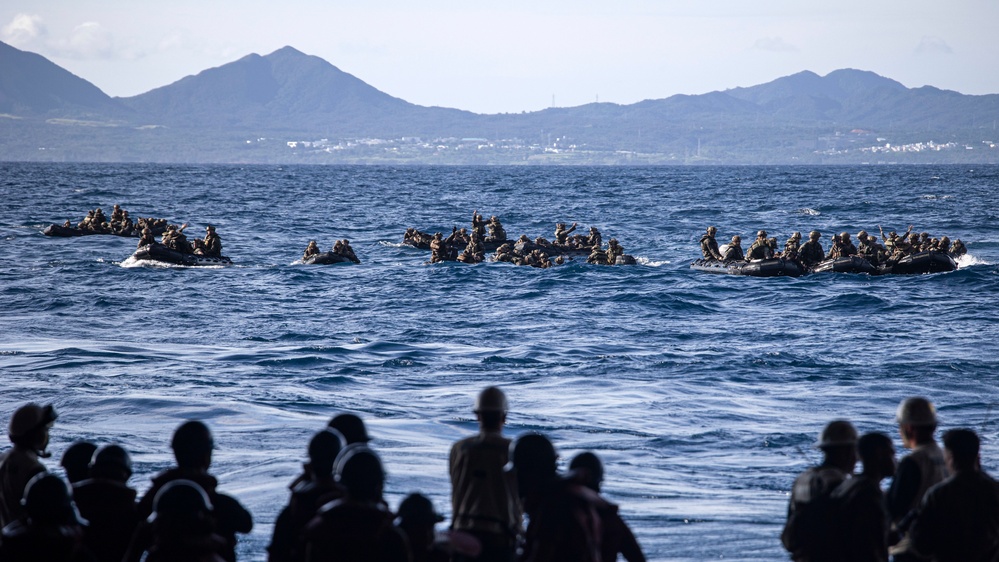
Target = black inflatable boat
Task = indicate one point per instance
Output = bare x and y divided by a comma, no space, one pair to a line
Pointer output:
777,267
161,254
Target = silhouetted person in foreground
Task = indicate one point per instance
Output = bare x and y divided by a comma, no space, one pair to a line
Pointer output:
351,427
311,491
192,448
483,497
182,527
809,513
862,525
917,472
50,530
959,517
564,519
108,504
356,527
76,461
617,537
416,520
29,432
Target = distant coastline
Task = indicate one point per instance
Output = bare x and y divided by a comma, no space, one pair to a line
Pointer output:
288,107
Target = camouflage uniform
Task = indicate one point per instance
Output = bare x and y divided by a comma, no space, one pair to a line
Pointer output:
496,231
212,243
613,251
811,252
594,240
597,256
562,234
709,246
734,251
311,250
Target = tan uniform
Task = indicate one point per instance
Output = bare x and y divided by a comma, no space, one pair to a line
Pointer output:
17,467
483,496
929,459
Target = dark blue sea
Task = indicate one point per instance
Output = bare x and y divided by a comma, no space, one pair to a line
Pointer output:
702,393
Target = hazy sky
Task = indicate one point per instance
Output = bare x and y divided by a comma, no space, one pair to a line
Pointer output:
520,55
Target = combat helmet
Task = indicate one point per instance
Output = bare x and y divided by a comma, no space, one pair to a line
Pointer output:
351,427
47,501
837,433
28,418
417,509
916,411
111,460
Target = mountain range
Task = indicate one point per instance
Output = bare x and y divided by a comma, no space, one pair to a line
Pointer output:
292,107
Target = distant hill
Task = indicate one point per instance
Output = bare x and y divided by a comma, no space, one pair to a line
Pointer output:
292,107
288,90
31,85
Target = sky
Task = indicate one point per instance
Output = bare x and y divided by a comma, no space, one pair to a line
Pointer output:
519,55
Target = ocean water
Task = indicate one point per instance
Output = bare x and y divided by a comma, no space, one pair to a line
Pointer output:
702,393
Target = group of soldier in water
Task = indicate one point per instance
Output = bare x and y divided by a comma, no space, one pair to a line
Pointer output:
340,248
473,242
941,506
523,251
119,224
172,237
509,502
811,253
175,239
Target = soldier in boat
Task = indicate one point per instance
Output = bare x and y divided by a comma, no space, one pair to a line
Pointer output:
562,233
174,239
473,252
440,250
505,253
478,224
147,237
594,239
597,256
346,251
792,246
847,248
869,248
211,245
709,246
85,223
811,252
124,227
496,231
958,249
614,249
313,249
734,251
760,249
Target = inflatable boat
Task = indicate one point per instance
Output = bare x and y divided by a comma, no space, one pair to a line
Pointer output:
62,231
849,264
161,254
776,267
327,258
923,262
